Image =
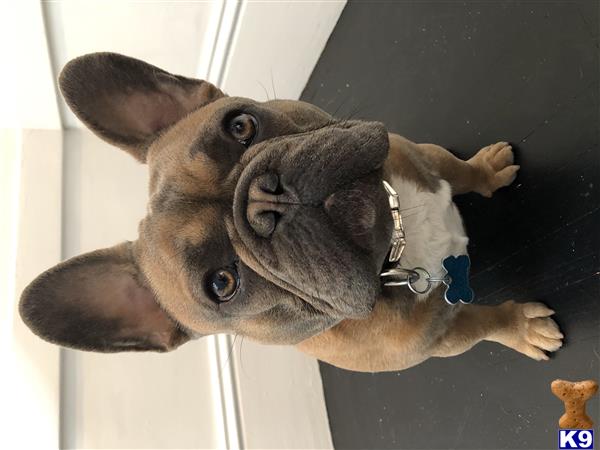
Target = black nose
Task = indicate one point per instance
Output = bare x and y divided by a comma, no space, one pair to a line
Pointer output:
266,204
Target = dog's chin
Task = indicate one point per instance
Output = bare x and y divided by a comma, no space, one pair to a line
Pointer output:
362,215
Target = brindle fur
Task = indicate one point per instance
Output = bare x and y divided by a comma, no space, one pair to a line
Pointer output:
314,282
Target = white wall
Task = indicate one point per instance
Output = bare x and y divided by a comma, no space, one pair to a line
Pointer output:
26,81
30,169
276,46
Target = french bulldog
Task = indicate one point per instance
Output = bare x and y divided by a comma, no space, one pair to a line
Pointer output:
270,220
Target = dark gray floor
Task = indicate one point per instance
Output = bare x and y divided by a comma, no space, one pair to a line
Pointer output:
464,75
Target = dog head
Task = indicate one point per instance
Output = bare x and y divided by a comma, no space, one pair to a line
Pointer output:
267,220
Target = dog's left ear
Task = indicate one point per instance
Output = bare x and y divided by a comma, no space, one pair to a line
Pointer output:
127,102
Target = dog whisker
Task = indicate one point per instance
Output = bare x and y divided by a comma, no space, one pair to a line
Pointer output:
411,207
241,357
360,108
264,89
273,85
342,103
229,353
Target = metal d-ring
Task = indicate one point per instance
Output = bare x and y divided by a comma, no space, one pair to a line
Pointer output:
427,278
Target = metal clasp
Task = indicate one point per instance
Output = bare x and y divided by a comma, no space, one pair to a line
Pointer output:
398,236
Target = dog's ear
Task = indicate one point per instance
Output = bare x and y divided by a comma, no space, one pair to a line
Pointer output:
97,301
127,102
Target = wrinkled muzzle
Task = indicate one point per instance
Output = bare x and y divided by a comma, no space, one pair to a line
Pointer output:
311,215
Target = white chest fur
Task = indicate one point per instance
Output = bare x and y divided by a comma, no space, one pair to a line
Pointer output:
433,226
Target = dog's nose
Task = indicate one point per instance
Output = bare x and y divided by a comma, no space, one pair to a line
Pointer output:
265,204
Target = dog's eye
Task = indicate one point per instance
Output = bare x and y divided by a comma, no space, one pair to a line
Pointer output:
243,128
224,284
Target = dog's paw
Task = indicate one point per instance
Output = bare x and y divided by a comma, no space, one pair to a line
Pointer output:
494,164
530,330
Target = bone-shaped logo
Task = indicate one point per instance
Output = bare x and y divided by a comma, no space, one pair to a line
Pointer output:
458,289
574,395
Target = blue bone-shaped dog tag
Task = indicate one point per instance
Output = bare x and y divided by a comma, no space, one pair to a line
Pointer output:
458,289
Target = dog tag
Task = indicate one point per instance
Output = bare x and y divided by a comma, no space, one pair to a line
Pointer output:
457,279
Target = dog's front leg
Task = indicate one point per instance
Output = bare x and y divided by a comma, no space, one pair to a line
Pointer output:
524,327
489,170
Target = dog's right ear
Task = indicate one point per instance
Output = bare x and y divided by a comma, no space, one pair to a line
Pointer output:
127,102
99,301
